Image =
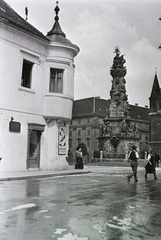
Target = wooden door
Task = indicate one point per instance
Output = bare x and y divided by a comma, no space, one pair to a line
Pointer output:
34,149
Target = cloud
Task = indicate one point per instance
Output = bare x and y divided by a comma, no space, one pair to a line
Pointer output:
143,58
98,31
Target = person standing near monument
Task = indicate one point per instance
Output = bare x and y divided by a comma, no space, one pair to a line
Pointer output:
79,160
133,156
157,158
150,166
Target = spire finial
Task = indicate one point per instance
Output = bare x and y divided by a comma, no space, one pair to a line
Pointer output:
155,70
117,50
56,29
57,9
26,13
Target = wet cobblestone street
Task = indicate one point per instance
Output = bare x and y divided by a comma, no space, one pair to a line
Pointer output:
94,206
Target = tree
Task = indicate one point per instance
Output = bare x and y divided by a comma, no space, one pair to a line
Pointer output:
84,149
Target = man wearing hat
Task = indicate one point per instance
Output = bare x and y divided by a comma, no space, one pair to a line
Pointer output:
133,156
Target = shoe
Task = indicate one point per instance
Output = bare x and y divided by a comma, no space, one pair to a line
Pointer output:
128,179
136,180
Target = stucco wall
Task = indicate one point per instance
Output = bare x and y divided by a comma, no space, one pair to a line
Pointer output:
35,105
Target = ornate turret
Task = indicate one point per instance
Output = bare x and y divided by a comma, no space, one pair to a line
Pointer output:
56,29
56,33
58,38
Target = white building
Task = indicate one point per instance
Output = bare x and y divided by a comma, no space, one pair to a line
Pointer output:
36,94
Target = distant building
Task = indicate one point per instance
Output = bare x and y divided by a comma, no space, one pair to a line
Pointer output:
87,117
36,94
155,116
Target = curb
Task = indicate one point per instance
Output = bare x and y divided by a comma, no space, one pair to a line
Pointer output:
42,175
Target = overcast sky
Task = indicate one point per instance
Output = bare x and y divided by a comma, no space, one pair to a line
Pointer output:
97,27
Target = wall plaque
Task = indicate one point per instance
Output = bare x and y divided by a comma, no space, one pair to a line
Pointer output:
15,127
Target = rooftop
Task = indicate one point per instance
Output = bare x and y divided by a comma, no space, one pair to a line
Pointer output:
95,106
10,17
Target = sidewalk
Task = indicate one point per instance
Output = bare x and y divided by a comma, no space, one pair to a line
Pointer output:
7,176
40,174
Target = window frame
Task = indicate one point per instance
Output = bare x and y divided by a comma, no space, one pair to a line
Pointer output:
88,142
88,120
88,132
79,133
33,58
55,87
27,70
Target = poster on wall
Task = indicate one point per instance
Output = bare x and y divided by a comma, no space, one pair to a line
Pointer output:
62,140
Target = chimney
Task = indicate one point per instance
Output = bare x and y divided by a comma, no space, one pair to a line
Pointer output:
136,104
146,106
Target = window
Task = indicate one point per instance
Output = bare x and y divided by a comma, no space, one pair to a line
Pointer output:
79,121
26,74
88,142
88,120
56,80
70,143
79,140
79,132
88,132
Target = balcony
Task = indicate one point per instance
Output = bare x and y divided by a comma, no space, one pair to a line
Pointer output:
57,106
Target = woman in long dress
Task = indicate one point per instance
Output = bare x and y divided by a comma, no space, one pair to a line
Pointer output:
150,166
79,159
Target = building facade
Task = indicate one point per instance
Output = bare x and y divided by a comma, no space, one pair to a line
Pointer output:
36,94
87,117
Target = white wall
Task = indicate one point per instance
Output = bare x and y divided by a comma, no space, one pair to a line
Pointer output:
35,105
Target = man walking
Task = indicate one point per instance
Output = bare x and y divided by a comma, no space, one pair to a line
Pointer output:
134,156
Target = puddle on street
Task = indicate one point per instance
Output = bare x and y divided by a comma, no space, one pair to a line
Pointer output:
67,236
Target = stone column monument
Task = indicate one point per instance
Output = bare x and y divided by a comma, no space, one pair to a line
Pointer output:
118,133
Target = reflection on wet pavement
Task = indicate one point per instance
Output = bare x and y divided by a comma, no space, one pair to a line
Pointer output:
30,205
96,206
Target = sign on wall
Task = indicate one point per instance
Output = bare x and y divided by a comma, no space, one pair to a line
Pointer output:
14,127
62,140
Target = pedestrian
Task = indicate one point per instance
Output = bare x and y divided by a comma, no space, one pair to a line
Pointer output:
150,166
79,159
133,156
69,157
157,158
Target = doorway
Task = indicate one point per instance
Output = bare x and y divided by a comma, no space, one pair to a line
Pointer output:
34,142
34,149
